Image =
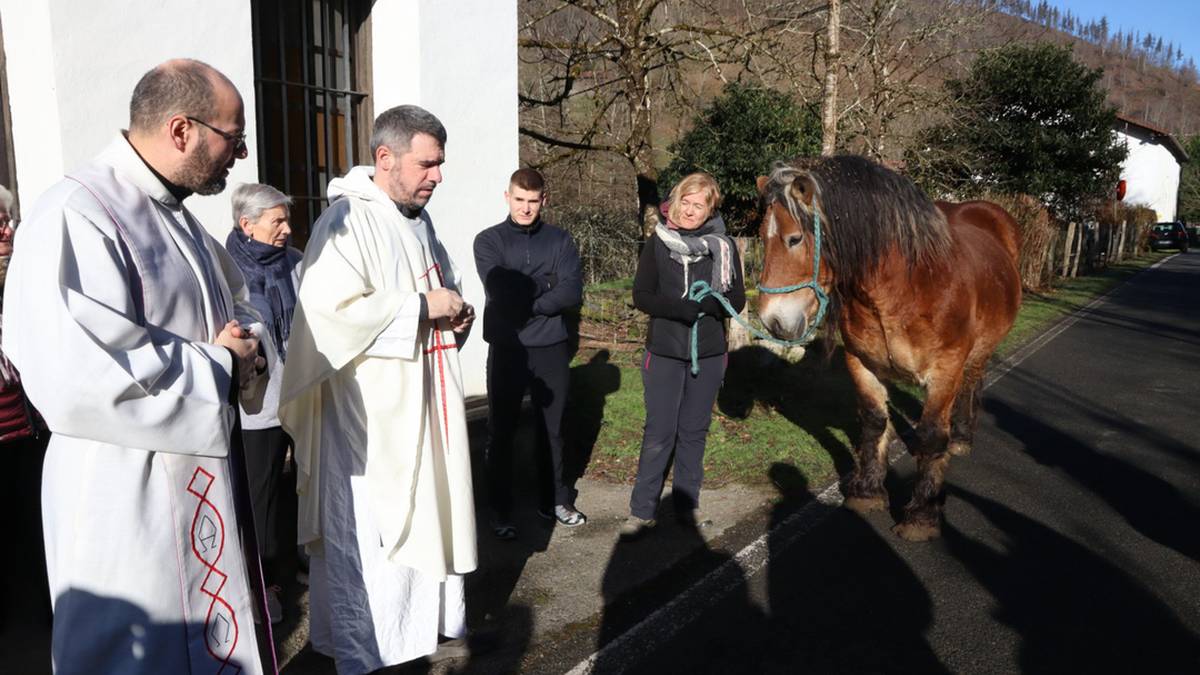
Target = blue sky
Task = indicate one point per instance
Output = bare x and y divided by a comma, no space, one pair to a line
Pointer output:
1176,21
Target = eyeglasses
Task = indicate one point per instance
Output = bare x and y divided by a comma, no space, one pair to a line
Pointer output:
238,139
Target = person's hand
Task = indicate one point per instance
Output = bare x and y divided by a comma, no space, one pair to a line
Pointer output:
461,322
443,303
712,307
690,312
244,346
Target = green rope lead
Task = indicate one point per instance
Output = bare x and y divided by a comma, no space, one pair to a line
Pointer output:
701,289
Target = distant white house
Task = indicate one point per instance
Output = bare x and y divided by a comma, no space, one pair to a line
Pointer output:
313,75
1152,169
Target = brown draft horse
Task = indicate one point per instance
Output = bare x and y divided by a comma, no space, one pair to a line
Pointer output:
921,291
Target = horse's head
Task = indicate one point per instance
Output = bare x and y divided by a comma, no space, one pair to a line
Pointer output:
790,209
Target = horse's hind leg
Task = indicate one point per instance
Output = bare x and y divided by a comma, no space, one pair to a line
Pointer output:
962,417
863,490
922,515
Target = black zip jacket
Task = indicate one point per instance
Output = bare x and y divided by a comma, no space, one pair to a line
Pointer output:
531,275
658,290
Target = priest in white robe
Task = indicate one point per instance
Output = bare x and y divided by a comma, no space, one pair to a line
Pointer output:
373,399
120,315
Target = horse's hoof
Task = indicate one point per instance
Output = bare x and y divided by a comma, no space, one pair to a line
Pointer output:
959,448
865,505
917,531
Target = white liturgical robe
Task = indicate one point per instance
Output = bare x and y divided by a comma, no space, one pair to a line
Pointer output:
113,299
372,397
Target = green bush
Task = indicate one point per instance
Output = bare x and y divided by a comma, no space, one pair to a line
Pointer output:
736,139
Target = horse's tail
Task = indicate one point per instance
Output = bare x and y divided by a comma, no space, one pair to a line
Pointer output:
991,217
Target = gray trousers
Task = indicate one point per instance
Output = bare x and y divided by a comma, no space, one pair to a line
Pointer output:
678,412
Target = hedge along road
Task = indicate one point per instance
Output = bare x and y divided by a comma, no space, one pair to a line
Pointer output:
1069,542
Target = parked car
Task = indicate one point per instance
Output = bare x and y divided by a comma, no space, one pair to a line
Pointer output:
1169,235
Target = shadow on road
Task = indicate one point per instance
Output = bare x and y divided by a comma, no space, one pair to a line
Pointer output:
1151,505
841,599
1097,413
1075,611
627,602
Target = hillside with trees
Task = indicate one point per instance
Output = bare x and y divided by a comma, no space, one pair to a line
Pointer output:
610,89
1146,78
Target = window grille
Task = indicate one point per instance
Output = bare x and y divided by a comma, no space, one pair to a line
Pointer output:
312,79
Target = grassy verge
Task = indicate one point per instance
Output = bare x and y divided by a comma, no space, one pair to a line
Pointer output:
769,410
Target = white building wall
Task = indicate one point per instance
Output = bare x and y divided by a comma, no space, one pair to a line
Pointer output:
1151,174
36,139
465,58
72,67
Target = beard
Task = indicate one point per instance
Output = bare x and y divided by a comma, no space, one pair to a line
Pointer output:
411,204
200,173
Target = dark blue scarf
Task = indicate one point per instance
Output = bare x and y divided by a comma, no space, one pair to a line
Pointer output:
268,273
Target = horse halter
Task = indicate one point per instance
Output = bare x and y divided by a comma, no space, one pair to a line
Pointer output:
822,296
701,289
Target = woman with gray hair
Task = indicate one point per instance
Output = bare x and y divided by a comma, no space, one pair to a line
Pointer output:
258,244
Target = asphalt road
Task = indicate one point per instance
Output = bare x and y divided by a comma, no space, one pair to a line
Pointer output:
1071,542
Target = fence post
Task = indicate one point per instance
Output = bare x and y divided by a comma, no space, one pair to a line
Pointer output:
1068,246
1110,242
1080,235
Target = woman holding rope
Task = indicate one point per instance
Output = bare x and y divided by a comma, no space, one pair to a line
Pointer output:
691,245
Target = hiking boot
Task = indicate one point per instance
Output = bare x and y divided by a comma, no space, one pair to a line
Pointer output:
274,607
635,527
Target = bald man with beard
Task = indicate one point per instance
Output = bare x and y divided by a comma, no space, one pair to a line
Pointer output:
135,339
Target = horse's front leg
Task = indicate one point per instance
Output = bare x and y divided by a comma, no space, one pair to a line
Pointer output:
863,490
923,514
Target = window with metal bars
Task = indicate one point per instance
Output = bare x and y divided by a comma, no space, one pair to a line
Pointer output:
312,82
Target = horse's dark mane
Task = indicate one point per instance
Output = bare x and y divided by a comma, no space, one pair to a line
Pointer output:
866,210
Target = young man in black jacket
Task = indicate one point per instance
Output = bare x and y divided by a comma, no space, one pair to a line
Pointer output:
531,276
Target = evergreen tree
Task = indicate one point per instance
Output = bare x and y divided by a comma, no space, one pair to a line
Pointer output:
1025,119
737,138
